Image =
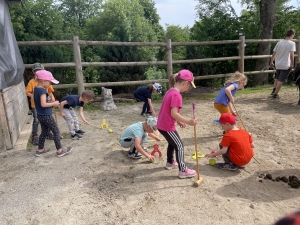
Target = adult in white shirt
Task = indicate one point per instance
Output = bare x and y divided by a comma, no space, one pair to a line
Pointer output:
283,54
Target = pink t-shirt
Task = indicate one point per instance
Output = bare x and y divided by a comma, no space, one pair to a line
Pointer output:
171,99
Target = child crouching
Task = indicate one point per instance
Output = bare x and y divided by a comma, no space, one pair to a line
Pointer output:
236,145
134,135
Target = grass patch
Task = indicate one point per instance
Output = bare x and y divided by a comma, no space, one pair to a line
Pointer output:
90,107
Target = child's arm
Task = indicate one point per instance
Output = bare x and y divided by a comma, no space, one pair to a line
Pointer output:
151,107
82,116
154,136
46,104
61,108
228,91
29,90
137,145
222,151
180,119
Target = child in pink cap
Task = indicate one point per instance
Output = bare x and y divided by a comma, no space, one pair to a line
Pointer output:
169,114
43,105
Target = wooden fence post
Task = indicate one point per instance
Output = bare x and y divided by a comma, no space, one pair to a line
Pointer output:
241,53
78,66
169,58
298,50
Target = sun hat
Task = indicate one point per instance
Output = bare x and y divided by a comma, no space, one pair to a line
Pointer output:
157,87
46,75
227,118
186,75
37,66
151,121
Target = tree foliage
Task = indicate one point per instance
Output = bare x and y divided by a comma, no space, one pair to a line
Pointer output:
138,21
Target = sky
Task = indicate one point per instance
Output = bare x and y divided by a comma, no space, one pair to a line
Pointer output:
183,13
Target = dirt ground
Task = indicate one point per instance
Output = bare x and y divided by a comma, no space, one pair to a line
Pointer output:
97,184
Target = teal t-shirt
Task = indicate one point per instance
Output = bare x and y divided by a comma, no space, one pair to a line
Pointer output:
133,131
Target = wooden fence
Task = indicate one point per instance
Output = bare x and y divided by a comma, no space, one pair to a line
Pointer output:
78,64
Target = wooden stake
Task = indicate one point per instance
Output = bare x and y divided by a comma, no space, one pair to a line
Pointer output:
199,179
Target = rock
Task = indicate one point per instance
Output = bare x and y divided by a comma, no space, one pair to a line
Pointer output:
251,206
284,179
269,176
295,184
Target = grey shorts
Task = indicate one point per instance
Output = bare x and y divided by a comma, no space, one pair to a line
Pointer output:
282,75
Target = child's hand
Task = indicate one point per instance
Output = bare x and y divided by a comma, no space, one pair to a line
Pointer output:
192,122
56,103
63,114
209,155
234,113
85,122
182,125
153,114
150,157
157,139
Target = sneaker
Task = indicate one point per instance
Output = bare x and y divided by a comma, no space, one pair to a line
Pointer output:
144,114
134,155
38,154
227,166
76,136
80,132
187,173
50,136
64,151
170,166
35,140
276,96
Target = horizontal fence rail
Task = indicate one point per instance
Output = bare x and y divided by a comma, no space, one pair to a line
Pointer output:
78,64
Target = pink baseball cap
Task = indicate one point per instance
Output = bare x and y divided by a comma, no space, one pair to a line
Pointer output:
186,75
46,75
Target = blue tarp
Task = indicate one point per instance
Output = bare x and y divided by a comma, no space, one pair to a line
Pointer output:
11,62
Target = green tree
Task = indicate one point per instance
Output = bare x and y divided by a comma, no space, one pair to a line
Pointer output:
218,26
266,10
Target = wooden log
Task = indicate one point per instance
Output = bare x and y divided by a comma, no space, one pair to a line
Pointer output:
78,66
241,54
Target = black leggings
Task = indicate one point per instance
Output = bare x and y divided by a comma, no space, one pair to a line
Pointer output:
174,144
48,124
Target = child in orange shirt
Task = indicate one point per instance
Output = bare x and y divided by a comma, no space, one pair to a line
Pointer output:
236,145
29,92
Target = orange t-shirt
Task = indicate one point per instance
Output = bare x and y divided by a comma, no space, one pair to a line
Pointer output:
239,142
31,85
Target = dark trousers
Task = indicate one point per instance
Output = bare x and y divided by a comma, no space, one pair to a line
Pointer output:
35,123
225,156
146,107
48,124
174,144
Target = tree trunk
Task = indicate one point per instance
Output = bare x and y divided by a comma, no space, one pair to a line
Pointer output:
267,20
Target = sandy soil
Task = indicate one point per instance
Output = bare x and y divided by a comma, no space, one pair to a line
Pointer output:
98,184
